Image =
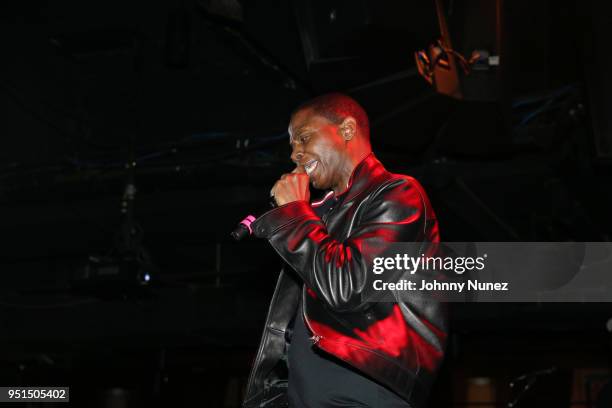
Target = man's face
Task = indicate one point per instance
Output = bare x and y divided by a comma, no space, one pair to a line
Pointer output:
318,146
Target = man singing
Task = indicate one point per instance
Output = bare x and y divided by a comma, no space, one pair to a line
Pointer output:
342,348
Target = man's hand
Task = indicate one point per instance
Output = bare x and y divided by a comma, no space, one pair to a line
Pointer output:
291,187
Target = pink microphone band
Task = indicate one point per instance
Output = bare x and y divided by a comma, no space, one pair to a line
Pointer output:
247,222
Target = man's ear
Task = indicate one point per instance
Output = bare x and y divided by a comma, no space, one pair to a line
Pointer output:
348,128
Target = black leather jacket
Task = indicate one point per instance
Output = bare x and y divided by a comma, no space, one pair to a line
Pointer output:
398,344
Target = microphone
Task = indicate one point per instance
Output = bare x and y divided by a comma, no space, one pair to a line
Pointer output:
243,229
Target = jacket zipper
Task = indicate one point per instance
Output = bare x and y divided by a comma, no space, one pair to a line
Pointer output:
315,338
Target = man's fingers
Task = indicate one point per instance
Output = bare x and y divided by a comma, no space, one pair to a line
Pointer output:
273,190
291,187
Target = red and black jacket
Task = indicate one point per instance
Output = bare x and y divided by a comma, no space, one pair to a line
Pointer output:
398,344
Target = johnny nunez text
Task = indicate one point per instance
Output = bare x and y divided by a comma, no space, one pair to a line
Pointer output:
470,284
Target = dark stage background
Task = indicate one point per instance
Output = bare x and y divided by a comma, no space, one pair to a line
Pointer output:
136,134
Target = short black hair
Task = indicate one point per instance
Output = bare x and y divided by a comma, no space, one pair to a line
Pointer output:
336,107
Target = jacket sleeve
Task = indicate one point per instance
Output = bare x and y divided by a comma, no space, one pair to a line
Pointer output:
338,271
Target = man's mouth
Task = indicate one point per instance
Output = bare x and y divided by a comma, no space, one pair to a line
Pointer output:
310,167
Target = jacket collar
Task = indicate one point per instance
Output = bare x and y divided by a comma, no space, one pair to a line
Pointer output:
364,173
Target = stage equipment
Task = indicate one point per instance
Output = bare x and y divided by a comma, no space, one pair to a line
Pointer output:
128,265
230,10
346,43
479,32
100,275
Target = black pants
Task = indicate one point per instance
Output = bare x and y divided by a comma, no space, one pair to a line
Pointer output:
319,380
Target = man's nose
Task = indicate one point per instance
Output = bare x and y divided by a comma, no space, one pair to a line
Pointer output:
297,155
